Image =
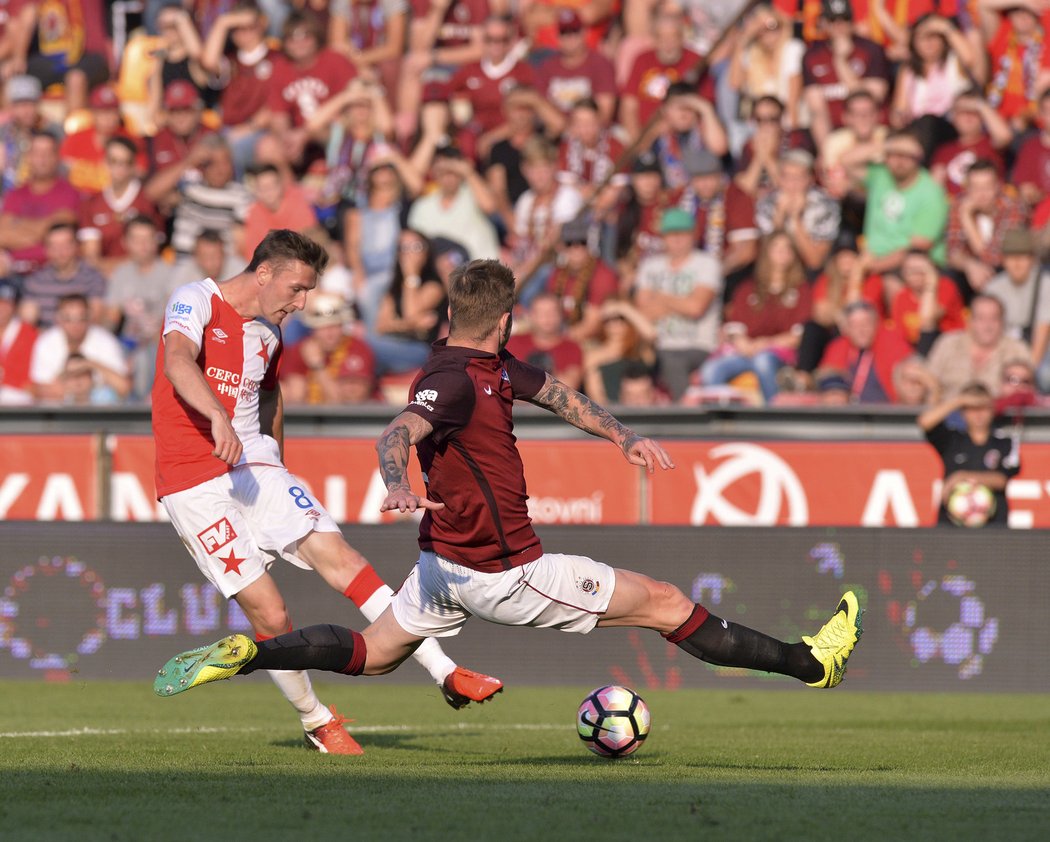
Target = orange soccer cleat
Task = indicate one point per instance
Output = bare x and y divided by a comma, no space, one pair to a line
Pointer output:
463,686
332,737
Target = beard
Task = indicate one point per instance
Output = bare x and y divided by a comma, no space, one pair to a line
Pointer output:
504,336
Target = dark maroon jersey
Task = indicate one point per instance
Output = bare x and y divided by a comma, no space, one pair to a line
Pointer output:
470,462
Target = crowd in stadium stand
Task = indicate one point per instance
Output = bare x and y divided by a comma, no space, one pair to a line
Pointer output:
821,202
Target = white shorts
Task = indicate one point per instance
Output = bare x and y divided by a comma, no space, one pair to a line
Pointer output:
566,592
234,523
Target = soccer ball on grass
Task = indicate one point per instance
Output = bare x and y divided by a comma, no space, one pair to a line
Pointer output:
970,504
613,721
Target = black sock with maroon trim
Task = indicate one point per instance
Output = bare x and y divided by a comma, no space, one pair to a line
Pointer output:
325,647
717,641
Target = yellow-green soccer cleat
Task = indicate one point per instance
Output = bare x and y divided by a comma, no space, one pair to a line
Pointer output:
833,644
199,666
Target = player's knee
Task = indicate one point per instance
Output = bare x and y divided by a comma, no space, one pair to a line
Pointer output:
271,620
669,599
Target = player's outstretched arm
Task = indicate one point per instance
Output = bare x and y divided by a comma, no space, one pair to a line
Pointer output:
580,411
392,448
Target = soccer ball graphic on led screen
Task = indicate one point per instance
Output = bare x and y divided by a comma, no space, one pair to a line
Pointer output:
970,504
613,721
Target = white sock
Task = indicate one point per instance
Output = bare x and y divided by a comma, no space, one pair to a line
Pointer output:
296,687
429,655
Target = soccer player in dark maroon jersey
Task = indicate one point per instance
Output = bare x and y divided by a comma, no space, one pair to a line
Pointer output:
479,554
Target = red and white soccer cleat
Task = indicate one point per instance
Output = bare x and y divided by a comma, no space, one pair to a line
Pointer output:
463,686
332,737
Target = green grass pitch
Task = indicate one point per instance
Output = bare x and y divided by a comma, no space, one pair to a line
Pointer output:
110,761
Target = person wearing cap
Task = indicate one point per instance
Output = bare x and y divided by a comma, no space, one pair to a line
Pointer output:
581,282
867,353
28,212
539,215
84,152
311,369
413,313
182,127
22,95
546,344
655,70
680,292
16,349
577,71
978,222
691,125
725,215
839,65
1023,288
801,208
982,134
976,352
906,209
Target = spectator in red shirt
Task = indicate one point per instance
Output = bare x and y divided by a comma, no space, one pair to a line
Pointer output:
16,349
764,320
837,66
442,36
977,223
29,211
577,72
372,34
547,345
581,282
588,151
1031,171
1016,46
868,353
331,365
927,305
654,71
277,205
982,134
244,74
304,78
183,128
104,214
478,88
691,125
83,152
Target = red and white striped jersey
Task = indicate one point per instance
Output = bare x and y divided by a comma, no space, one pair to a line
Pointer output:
238,357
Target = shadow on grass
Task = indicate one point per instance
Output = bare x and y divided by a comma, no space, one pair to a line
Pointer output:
262,800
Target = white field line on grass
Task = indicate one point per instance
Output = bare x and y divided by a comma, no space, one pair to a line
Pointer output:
361,729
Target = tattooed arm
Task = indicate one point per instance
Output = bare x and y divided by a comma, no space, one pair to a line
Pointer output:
392,448
580,411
